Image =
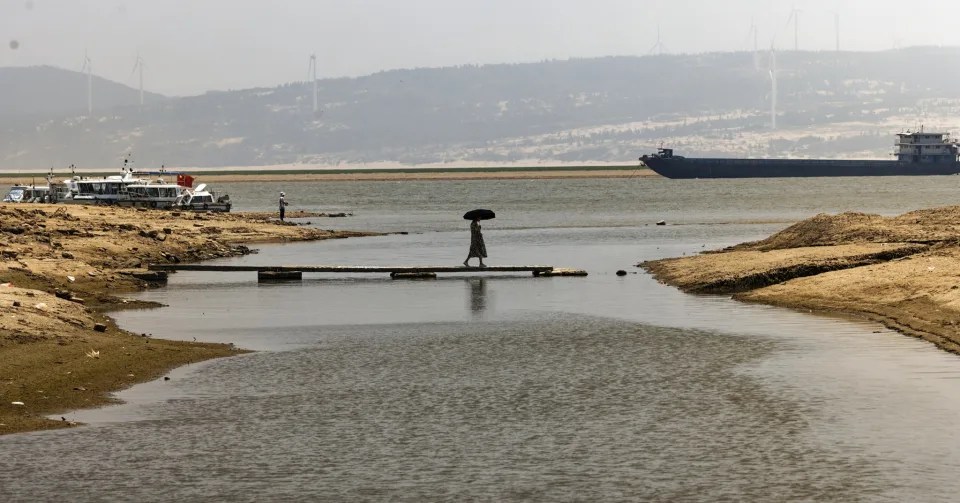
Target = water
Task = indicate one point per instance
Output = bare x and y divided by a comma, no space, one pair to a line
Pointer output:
513,388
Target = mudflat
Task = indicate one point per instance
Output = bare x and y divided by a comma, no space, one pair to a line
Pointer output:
901,271
63,266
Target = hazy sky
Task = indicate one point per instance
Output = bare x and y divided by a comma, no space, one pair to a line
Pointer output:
190,46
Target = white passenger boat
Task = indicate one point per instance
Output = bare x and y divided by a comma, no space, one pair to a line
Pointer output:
27,194
155,193
102,190
200,199
130,188
52,192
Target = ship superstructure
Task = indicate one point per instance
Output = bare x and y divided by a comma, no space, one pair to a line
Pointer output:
922,147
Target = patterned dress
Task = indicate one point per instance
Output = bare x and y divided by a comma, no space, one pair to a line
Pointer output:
477,248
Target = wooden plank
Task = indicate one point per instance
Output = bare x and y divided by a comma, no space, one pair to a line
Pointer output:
349,268
413,275
267,276
561,271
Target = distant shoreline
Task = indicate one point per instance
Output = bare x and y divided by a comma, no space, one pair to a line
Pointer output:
374,174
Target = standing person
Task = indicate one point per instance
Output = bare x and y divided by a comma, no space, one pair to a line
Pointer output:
283,204
477,247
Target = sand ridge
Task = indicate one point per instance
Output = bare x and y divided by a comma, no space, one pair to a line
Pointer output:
902,271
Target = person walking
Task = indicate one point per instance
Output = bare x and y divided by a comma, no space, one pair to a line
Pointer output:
477,247
283,205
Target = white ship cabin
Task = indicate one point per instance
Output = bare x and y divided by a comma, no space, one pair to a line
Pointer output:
106,190
151,194
923,147
102,189
27,194
200,199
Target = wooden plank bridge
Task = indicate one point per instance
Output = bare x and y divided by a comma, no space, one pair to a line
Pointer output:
286,272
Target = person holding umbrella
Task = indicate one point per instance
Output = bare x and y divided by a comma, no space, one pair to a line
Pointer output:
477,247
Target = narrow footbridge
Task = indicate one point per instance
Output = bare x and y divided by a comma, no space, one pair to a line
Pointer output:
267,272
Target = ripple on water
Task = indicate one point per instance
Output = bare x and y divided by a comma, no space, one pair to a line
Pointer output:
572,408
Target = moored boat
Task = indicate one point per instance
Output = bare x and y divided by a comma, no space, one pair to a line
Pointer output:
138,189
27,194
200,199
52,192
151,194
130,188
917,153
101,190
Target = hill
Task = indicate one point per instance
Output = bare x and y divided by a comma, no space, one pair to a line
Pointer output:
603,109
48,91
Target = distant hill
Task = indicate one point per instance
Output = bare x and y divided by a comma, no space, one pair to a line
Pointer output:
48,91
602,109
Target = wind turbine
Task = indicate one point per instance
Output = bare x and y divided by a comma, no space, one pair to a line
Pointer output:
89,68
795,16
312,76
836,27
756,54
773,88
138,66
658,46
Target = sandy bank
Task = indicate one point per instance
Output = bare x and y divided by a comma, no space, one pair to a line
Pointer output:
213,176
901,271
61,266
447,175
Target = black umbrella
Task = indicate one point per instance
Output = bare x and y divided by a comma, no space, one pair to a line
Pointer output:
479,214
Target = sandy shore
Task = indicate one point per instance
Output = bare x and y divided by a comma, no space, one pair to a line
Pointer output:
214,176
62,266
447,175
903,271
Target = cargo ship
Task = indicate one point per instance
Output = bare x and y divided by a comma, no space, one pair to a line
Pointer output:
917,154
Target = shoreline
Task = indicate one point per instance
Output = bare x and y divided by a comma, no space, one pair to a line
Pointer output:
901,271
62,267
215,175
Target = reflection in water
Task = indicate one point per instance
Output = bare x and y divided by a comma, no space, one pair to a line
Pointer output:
563,389
553,407
478,295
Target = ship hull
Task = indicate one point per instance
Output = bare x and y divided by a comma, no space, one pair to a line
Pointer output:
681,167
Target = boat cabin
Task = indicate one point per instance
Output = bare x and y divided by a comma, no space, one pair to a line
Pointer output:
104,190
27,194
200,199
923,147
158,194
662,153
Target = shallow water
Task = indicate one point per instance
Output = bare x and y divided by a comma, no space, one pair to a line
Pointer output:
507,387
